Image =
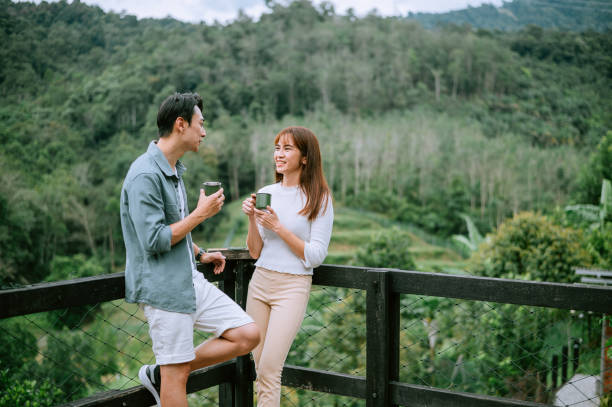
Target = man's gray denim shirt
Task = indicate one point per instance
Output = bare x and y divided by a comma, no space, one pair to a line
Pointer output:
156,273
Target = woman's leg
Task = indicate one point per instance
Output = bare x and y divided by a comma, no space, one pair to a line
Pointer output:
259,310
285,319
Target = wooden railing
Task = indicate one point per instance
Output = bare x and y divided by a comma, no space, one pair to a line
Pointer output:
380,387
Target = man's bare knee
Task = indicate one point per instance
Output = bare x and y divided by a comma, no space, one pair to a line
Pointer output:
245,337
251,336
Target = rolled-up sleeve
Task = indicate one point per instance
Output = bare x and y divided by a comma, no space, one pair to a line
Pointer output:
146,209
315,250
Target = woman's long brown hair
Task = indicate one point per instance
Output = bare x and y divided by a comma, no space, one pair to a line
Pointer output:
312,179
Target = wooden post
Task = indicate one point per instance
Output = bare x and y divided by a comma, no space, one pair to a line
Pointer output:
394,335
606,361
227,393
244,364
382,334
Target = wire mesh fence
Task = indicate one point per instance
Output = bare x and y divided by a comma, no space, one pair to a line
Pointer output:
518,352
82,351
332,337
299,398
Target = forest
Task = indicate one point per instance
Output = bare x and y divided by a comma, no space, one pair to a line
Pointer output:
455,129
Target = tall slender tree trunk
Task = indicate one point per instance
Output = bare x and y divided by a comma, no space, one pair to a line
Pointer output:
111,247
455,86
234,186
437,73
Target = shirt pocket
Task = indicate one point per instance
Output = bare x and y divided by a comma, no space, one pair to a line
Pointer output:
172,213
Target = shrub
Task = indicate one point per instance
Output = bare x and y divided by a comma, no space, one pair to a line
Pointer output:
27,393
531,247
388,249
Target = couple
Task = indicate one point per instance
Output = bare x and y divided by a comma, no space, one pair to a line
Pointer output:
288,240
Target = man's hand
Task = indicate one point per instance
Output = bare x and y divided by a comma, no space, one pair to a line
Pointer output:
216,258
209,206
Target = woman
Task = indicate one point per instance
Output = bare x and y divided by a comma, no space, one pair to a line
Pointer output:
288,240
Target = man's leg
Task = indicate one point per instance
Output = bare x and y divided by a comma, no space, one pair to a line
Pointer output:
232,343
236,333
174,384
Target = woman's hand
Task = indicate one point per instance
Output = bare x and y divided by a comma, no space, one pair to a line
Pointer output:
217,259
248,206
268,219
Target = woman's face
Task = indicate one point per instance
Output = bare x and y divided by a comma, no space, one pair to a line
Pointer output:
287,156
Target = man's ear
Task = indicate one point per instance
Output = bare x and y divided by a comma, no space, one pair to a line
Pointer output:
179,124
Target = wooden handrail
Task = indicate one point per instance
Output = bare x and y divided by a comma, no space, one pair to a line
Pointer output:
380,386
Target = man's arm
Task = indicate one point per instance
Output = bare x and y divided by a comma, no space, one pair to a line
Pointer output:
216,258
145,208
208,206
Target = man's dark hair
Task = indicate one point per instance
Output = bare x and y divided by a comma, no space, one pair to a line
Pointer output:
175,106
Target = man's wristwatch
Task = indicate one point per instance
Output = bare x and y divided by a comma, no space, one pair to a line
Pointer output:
200,253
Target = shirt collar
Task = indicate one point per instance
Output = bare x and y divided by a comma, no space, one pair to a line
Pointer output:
162,161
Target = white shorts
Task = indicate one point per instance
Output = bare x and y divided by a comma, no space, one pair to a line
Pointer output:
172,332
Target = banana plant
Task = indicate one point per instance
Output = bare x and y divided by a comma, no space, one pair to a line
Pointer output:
596,214
474,238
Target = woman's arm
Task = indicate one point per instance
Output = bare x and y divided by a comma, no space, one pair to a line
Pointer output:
270,221
313,252
254,241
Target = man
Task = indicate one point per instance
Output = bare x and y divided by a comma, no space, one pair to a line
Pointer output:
160,267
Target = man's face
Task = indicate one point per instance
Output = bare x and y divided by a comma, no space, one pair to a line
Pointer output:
195,133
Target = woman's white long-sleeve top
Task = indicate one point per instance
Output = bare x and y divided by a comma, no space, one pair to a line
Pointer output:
276,254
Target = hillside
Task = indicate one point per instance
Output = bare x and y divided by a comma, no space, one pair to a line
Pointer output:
442,122
573,15
352,228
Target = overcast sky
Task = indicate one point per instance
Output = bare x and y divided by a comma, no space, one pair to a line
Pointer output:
226,10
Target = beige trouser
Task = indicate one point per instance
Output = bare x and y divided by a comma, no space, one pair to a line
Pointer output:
277,302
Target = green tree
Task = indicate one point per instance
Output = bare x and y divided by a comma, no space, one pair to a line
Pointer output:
66,268
521,340
27,393
18,350
529,246
598,168
388,249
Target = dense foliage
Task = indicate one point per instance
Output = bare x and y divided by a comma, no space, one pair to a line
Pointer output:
80,105
576,15
531,247
420,124
388,249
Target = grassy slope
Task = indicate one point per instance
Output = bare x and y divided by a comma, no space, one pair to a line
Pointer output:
352,228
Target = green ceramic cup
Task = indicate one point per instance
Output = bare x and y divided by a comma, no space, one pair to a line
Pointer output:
262,200
210,187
